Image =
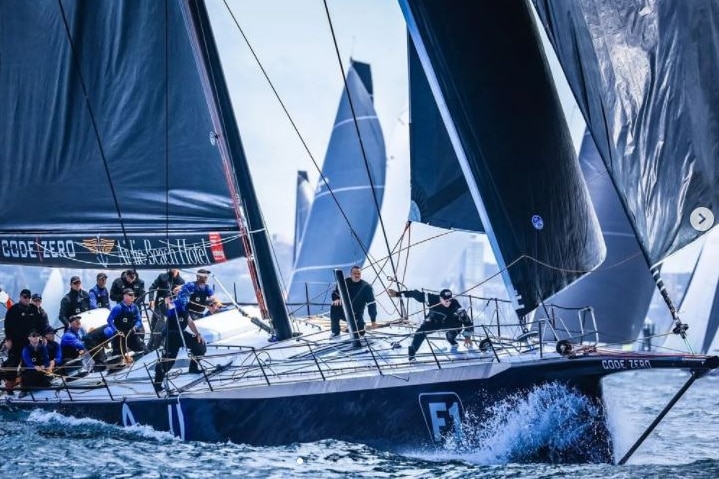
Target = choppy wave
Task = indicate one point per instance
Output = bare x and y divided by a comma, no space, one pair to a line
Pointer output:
550,423
684,445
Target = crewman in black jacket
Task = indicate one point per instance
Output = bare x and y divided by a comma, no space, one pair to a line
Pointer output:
445,312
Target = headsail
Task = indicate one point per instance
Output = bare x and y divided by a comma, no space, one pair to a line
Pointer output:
645,76
343,216
303,202
440,195
621,290
133,176
495,93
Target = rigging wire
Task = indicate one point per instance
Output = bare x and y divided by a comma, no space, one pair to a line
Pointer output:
167,122
232,183
93,121
276,94
364,153
291,120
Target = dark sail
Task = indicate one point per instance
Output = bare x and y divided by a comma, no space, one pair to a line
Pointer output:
440,196
645,76
303,202
495,93
700,303
623,279
337,237
134,176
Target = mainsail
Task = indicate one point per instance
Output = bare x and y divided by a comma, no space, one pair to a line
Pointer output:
495,93
98,171
123,149
644,75
343,216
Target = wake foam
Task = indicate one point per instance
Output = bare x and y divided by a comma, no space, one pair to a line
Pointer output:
549,423
58,425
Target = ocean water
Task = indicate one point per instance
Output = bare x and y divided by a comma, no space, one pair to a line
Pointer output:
683,445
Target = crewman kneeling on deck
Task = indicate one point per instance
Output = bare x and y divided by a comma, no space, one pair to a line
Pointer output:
178,319
35,364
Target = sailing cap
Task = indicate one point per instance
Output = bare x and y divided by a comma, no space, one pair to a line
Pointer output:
101,276
25,292
36,296
74,279
445,294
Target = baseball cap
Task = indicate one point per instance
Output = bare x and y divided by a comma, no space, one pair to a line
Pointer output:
445,294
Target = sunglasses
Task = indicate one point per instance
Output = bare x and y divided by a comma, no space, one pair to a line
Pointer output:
37,300
77,282
25,296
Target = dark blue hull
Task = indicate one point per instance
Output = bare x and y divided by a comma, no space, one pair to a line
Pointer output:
414,409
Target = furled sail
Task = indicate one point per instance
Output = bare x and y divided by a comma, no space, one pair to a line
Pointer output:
303,199
489,77
343,216
134,175
645,76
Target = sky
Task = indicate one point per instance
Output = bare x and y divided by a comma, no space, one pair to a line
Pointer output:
293,41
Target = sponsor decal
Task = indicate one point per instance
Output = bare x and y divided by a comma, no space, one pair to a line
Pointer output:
112,251
442,413
99,245
218,252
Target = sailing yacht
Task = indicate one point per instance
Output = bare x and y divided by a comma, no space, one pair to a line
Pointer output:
345,210
139,108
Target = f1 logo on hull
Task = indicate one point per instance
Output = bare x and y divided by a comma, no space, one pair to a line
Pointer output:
443,415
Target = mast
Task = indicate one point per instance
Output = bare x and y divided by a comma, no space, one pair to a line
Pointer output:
260,259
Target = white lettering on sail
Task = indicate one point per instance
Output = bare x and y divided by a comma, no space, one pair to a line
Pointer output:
178,252
22,249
